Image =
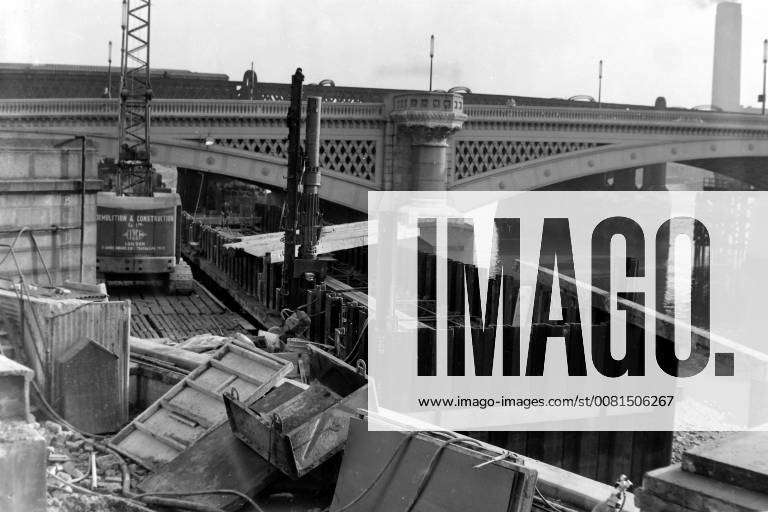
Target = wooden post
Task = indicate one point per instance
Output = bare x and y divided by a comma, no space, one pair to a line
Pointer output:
294,169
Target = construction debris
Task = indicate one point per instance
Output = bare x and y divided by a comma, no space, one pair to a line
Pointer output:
216,461
428,471
295,426
14,390
48,327
22,466
194,406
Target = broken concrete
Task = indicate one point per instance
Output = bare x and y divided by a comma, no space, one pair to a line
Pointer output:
680,488
14,390
22,466
740,460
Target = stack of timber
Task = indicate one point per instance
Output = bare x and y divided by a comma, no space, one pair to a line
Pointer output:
178,317
729,475
195,405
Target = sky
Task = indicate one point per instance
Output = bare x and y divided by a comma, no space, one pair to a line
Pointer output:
544,48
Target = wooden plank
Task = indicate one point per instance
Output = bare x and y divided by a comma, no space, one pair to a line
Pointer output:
164,439
216,460
589,447
332,238
200,420
604,458
176,356
197,396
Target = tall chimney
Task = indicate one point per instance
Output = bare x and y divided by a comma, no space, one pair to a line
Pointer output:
726,72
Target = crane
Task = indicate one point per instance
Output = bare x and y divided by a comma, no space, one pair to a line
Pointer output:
133,160
137,225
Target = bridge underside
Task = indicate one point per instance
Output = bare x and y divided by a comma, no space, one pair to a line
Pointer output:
243,165
745,160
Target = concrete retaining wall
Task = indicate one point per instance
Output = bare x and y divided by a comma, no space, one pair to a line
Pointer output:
40,189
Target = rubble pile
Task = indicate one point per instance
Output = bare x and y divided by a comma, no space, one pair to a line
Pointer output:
272,422
71,463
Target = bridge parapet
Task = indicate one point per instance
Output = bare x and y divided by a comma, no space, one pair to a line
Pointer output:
503,112
170,109
372,144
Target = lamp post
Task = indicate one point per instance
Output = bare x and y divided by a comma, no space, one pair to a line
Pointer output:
765,60
109,71
431,56
600,84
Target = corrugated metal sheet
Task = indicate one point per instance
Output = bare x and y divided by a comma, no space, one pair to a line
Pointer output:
48,327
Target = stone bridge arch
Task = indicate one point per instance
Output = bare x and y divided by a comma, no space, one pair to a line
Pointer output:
745,159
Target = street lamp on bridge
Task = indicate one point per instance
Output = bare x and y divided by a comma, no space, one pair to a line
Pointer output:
431,56
765,60
600,84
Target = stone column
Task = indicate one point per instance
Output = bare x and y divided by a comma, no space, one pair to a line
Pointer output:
655,177
424,121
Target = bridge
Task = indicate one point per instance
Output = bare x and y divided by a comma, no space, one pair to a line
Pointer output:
426,141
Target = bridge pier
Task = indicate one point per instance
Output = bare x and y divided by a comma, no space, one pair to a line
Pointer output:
425,121
655,177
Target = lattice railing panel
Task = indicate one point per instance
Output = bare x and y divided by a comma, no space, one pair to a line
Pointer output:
356,158
473,157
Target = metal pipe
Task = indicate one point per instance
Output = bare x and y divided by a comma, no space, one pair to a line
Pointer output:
82,206
310,226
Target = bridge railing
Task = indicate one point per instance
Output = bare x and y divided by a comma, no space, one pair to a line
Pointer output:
185,108
501,113
181,108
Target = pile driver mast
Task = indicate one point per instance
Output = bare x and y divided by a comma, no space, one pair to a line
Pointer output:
134,167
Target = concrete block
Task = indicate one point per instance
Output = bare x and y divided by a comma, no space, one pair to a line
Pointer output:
14,390
740,460
23,453
649,502
675,486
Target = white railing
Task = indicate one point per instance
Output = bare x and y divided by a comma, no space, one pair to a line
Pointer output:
576,114
222,109
181,108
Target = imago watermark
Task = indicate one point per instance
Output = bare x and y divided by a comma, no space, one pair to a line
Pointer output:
569,310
